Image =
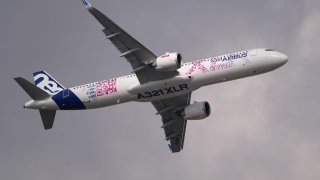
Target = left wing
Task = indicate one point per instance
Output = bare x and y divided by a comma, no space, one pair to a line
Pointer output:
174,125
137,55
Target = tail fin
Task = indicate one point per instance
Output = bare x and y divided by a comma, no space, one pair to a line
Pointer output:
33,91
46,82
47,117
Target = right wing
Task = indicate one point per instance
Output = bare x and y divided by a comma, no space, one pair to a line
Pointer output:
136,54
174,125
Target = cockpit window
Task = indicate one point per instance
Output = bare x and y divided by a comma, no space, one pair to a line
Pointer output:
269,50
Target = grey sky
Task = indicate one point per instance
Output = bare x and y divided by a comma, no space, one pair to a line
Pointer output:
263,127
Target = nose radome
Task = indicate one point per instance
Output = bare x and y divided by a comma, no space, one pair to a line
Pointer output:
283,58
279,58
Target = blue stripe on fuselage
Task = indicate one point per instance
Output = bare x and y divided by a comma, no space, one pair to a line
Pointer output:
67,100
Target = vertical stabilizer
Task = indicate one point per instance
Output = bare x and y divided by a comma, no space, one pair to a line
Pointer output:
47,117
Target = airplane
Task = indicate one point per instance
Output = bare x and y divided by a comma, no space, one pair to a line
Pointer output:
163,80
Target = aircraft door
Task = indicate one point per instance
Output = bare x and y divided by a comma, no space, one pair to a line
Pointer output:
85,98
65,93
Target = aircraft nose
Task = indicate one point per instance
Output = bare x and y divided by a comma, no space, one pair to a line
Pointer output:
283,58
280,58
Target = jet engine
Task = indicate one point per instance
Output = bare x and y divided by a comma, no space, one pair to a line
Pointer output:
197,111
168,62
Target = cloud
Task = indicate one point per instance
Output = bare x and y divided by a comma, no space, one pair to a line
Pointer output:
308,34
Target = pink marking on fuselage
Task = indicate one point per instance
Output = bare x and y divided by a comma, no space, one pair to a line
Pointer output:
106,87
197,65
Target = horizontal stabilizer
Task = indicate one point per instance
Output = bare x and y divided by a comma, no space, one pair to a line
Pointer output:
47,117
32,90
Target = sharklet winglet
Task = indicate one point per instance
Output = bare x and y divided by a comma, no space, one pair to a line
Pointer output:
86,4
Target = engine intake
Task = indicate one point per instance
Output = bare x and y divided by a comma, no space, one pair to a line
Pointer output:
168,62
197,111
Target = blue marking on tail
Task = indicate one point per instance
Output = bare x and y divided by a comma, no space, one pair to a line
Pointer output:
67,100
86,3
169,145
46,82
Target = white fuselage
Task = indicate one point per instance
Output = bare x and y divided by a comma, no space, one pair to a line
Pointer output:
191,76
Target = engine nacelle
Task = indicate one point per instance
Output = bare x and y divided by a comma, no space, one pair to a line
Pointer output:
168,62
197,111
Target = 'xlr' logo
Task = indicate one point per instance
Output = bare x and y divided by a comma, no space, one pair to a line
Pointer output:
164,91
